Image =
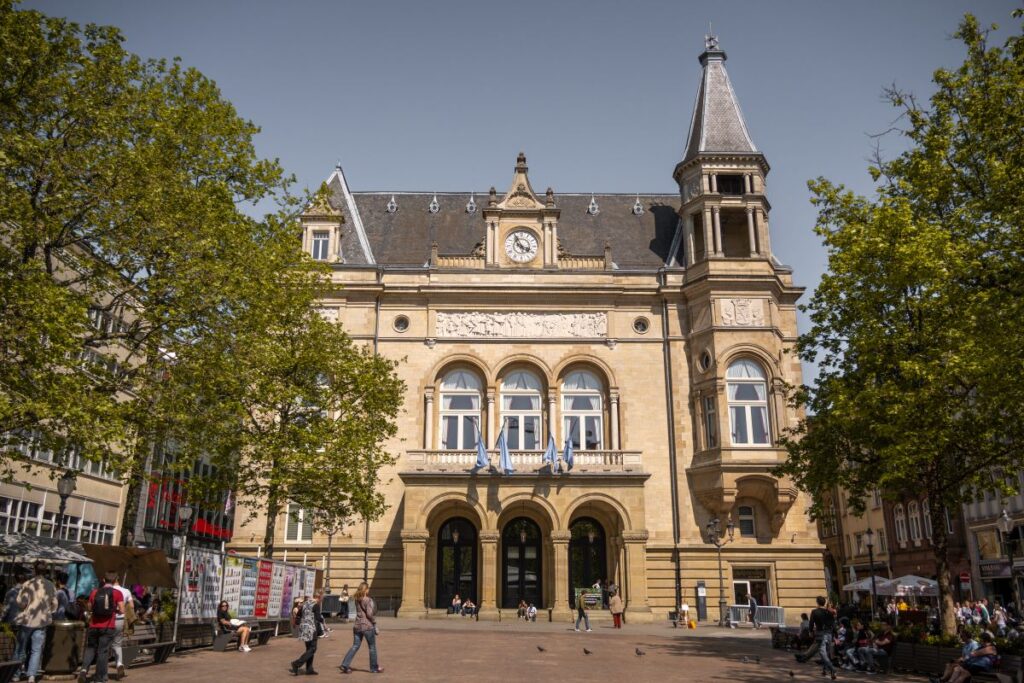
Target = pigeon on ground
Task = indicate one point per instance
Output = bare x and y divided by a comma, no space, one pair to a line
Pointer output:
540,649
587,652
744,659
791,674
757,660
640,653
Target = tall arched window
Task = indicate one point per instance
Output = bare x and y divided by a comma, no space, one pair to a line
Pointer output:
460,410
582,413
901,524
748,403
926,515
520,410
914,517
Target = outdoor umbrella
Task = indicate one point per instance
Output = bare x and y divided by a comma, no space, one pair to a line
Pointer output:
913,585
864,585
23,548
144,566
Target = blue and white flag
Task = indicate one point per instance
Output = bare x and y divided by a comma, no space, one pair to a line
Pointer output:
551,454
567,454
506,460
481,452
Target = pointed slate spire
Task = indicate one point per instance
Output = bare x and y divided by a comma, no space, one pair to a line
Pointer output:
717,124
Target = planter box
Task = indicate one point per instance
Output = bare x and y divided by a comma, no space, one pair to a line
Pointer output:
923,659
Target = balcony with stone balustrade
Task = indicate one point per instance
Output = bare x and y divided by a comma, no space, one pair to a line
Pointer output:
615,462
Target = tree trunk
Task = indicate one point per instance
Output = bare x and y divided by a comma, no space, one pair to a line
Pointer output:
273,509
940,548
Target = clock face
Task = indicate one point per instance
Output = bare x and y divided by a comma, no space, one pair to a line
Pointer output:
521,246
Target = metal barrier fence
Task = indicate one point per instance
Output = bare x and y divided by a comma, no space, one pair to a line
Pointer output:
768,615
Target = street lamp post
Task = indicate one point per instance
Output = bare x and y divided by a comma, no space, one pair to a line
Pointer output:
870,534
184,515
714,530
1007,526
65,487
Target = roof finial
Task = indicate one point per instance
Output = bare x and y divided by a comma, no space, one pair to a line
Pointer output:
710,40
337,164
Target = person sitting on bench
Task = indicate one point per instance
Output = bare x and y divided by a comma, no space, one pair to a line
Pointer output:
227,625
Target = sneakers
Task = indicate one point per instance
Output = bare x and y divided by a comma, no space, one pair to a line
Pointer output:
576,629
121,673
245,648
588,630
82,676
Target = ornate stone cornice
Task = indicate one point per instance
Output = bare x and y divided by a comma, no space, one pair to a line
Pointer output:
636,536
415,535
489,536
561,536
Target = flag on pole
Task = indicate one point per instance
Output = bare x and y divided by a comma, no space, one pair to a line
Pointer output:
551,454
567,454
506,459
228,503
481,453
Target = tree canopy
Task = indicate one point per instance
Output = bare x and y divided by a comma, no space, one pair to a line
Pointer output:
918,325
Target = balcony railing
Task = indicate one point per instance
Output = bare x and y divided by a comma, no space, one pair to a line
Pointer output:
523,461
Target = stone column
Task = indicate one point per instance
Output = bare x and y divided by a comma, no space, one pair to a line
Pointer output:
414,558
714,182
748,183
614,410
491,416
715,214
561,611
750,231
428,427
763,232
488,574
691,257
709,235
551,416
637,608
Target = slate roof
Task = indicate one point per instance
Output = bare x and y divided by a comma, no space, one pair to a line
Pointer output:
404,238
717,123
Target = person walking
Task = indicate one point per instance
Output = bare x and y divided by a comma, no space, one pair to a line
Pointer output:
822,623
752,605
105,603
581,611
344,603
364,628
616,607
37,601
306,632
125,620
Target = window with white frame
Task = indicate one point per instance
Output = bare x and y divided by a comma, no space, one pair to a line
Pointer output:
520,410
745,517
710,423
748,403
914,519
299,528
23,517
883,546
900,522
927,517
582,412
321,240
460,410
876,497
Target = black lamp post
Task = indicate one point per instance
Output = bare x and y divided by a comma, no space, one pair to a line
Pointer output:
65,487
184,515
714,530
1007,526
870,534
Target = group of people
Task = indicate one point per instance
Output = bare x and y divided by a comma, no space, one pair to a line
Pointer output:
308,626
35,601
465,608
526,611
848,642
1005,621
614,604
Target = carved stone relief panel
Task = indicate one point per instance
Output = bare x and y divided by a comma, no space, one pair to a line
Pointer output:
742,312
521,325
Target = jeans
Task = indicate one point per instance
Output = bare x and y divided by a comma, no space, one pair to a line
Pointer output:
97,648
582,616
869,654
118,644
307,656
826,663
357,640
35,638
20,644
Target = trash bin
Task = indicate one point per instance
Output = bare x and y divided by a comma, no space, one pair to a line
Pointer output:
65,643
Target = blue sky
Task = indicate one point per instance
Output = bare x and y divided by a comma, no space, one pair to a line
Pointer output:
442,95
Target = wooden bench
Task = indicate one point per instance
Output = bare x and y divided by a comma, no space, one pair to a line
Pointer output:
222,642
144,646
1009,670
785,637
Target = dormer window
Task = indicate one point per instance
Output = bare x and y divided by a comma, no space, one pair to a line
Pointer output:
321,242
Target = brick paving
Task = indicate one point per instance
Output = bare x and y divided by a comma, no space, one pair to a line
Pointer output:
463,650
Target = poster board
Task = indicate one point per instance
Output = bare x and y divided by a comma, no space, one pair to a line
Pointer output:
250,577
232,592
202,584
263,580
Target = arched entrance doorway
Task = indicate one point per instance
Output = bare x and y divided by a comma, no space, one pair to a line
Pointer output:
521,577
456,562
588,559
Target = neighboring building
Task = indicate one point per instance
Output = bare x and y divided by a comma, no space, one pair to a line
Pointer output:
650,331
830,531
908,521
857,560
989,547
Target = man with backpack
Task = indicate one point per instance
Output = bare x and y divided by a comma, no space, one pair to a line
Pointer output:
105,603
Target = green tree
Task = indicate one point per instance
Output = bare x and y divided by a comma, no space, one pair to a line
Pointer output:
918,326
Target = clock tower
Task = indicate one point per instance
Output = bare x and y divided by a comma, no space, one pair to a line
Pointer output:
522,230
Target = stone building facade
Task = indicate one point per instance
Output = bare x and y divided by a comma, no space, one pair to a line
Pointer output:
648,332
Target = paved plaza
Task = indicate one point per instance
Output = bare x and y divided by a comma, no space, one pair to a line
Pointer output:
464,650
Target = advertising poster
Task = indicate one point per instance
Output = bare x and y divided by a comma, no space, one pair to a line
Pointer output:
233,567
212,575
263,579
202,584
310,581
276,588
286,592
250,577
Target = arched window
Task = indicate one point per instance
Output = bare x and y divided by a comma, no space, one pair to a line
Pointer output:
748,403
520,410
926,515
745,515
582,415
460,410
914,517
901,524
